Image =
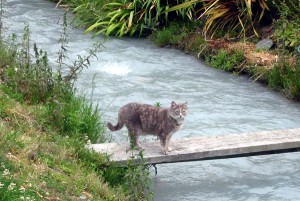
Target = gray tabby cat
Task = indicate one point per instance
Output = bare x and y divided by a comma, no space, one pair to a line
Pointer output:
141,119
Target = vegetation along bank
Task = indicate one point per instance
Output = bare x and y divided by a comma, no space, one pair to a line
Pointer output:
223,33
45,127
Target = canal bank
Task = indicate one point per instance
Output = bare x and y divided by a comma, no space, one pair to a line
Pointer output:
136,70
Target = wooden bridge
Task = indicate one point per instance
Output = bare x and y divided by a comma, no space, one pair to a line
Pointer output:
208,148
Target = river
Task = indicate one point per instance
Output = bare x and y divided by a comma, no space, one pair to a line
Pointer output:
136,70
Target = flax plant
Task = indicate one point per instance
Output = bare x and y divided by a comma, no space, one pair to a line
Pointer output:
128,17
227,15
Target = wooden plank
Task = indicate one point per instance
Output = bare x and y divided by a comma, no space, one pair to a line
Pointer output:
207,148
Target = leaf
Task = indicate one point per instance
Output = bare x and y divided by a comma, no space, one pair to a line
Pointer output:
130,19
183,5
96,25
112,27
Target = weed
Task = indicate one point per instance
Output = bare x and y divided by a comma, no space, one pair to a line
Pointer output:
285,76
45,130
137,179
171,35
288,26
11,189
157,104
226,61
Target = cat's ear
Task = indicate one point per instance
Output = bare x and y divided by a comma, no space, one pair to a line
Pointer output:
173,104
184,105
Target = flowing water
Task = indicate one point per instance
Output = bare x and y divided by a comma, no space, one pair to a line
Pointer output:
130,70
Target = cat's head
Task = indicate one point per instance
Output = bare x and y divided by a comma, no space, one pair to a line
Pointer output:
178,111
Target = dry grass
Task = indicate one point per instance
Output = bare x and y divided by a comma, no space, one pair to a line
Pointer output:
253,56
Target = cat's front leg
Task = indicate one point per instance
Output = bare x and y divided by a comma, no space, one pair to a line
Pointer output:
163,145
169,149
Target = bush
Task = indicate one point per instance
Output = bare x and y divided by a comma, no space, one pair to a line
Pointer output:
171,35
285,76
35,83
225,60
288,26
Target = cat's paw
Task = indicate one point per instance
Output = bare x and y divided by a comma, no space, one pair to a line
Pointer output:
169,149
164,151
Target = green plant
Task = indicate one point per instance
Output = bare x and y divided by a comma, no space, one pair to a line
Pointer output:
157,104
285,76
288,25
11,189
243,15
127,17
75,116
33,80
136,17
137,179
172,35
224,60
46,155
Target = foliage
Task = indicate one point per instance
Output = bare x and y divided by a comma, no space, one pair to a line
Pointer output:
43,165
86,11
230,15
172,35
43,139
288,25
35,82
10,188
128,17
137,179
224,60
285,76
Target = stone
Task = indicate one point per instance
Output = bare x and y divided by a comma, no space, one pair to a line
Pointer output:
265,44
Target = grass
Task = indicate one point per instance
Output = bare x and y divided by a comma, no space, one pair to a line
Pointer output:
45,127
44,164
225,60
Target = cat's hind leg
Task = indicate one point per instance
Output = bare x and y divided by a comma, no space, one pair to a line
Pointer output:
133,134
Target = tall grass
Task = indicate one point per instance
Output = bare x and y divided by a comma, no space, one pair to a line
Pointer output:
45,126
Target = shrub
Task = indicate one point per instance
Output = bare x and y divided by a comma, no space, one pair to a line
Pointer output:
233,15
34,82
288,25
285,76
170,35
225,60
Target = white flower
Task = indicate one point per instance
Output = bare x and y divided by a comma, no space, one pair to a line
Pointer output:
6,172
88,142
16,69
22,198
11,186
1,185
22,189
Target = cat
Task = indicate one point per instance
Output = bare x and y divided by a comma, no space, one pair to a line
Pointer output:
142,119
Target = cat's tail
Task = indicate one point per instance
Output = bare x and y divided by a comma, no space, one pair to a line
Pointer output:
119,125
